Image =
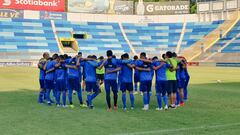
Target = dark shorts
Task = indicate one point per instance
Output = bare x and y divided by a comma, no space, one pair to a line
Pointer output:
74,84
136,78
126,86
61,85
111,84
49,84
180,83
171,86
100,77
41,82
145,86
161,87
91,86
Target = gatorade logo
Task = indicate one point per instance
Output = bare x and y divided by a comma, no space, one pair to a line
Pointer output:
6,2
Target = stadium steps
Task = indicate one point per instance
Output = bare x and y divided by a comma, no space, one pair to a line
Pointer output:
194,51
220,49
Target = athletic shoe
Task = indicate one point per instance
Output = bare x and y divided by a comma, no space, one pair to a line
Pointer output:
141,93
109,109
64,106
58,105
91,107
124,109
135,93
166,107
172,106
49,103
159,109
132,108
74,92
145,108
71,106
182,104
83,106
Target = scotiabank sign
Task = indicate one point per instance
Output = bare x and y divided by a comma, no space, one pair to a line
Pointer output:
48,5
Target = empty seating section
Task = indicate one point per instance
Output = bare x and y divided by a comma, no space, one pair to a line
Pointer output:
101,36
26,36
234,46
195,31
153,37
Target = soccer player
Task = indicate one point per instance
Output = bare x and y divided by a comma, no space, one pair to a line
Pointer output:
91,80
136,76
145,68
111,66
127,81
160,68
49,67
60,71
41,64
74,79
100,72
171,79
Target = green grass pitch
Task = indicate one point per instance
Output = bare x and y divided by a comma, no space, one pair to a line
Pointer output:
213,108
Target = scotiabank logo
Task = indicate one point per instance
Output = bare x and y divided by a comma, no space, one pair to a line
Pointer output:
53,3
49,5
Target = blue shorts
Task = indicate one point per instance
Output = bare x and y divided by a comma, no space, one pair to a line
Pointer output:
126,86
180,83
92,86
49,84
136,78
171,86
74,84
111,84
61,85
41,82
146,86
161,87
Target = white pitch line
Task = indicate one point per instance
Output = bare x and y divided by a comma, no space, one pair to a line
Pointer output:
179,129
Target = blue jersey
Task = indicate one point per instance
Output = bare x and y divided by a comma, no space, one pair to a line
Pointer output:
60,72
90,70
144,75
42,72
180,73
161,72
136,72
50,75
72,73
111,64
127,73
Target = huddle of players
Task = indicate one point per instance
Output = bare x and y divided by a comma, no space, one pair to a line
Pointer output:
62,74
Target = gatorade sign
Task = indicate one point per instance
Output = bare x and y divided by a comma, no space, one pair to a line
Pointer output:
47,5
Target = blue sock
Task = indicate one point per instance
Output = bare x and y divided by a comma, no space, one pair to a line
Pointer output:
48,95
80,96
70,96
94,95
148,95
40,97
145,98
132,99
124,100
159,100
58,93
89,99
165,99
45,95
135,87
177,98
64,97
